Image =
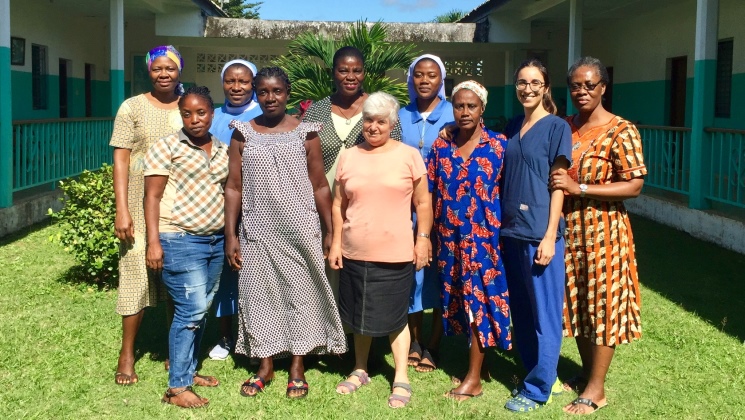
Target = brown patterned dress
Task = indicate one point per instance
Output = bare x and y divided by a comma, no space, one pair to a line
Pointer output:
137,126
602,292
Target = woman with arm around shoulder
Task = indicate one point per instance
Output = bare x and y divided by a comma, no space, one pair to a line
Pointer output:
533,234
602,293
140,121
184,178
377,182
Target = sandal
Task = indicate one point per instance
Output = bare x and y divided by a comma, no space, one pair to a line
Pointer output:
461,396
415,354
522,404
351,386
208,381
576,383
126,380
169,394
256,382
401,398
428,361
297,385
588,402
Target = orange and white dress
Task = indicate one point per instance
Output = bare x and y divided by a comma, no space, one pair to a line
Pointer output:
602,292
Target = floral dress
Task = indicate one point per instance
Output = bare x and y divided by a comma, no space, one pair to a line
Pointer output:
467,218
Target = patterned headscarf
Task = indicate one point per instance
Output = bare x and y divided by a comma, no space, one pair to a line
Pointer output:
410,76
473,86
251,66
165,51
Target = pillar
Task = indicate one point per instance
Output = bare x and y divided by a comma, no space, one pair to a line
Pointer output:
116,73
6,110
575,41
704,83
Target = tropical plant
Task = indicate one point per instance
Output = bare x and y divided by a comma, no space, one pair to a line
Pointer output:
452,16
309,61
240,8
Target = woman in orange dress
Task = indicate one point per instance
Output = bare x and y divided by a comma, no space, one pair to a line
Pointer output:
602,303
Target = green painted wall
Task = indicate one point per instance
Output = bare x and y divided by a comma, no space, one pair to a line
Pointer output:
23,98
736,119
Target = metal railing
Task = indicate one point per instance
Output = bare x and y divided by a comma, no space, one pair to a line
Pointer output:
726,168
45,151
666,155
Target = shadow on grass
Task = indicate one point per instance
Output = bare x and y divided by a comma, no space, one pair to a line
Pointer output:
77,276
699,276
16,236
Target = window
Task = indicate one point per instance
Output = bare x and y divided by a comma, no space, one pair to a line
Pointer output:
723,92
39,71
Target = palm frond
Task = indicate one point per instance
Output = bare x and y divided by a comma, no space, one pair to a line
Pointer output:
398,56
388,85
311,45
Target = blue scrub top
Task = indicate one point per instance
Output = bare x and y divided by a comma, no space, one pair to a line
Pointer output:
526,196
223,118
412,125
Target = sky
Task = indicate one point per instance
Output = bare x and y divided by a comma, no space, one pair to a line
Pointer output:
372,10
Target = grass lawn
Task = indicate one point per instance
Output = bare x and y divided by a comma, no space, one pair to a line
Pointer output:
59,344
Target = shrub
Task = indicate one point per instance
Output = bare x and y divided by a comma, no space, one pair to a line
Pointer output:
87,225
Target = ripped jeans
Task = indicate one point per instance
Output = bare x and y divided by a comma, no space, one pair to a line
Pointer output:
191,272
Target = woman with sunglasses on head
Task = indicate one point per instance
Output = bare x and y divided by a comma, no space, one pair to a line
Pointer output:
533,234
140,121
603,302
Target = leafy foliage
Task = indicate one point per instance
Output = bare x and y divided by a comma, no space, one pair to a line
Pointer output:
87,224
452,16
240,8
310,59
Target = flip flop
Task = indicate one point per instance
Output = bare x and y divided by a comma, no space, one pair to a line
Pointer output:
415,354
588,402
207,381
256,382
457,395
427,363
128,379
297,385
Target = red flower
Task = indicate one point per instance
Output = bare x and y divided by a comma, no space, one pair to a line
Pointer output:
485,165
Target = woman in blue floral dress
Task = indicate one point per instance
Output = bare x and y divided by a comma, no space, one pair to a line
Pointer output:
464,178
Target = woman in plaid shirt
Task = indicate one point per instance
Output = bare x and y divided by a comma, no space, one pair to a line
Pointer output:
184,178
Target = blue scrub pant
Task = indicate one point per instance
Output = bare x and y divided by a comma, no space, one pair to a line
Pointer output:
536,300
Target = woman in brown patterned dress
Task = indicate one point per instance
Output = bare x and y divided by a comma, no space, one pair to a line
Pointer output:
602,293
140,121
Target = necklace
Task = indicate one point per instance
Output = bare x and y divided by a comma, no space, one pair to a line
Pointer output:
424,130
348,120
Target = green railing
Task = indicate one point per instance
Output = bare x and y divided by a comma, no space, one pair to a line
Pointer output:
666,155
726,177
45,151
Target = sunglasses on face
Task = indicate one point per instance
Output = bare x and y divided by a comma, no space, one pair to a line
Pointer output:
588,87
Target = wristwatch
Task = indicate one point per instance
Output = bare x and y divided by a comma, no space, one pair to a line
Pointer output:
582,189
424,235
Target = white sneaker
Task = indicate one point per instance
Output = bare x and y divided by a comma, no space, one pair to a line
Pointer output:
222,350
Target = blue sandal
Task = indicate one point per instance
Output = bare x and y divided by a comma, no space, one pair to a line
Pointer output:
522,404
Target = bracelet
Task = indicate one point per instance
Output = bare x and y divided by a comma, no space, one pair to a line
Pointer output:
424,235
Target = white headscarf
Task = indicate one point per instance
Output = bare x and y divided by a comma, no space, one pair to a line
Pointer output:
473,86
251,102
251,66
410,76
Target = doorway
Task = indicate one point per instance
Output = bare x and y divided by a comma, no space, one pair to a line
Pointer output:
64,73
678,77
89,71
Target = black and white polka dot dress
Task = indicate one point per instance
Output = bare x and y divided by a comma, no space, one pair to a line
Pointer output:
285,303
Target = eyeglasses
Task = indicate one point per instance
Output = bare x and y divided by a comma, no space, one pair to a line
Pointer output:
588,87
534,84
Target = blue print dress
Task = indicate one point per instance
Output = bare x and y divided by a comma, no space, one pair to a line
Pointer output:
467,219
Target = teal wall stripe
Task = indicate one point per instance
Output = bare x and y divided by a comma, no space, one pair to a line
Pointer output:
117,90
6,130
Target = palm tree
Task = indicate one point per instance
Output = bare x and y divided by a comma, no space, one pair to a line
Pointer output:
309,61
450,17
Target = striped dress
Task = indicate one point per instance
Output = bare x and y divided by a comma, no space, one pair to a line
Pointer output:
602,292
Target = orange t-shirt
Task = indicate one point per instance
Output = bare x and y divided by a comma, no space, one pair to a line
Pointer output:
378,188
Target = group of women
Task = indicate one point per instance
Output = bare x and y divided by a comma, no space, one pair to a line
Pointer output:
415,208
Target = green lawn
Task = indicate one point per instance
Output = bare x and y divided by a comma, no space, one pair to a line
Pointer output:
59,343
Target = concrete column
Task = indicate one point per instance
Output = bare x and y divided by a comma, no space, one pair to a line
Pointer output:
575,41
509,84
6,110
704,83
116,73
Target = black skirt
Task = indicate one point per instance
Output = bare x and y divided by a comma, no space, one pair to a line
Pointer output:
374,296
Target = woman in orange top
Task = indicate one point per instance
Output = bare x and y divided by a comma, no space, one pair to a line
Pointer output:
602,293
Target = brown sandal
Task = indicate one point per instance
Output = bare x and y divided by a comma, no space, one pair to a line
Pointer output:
169,395
207,381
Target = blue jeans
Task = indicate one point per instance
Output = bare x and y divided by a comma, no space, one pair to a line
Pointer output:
191,272
536,302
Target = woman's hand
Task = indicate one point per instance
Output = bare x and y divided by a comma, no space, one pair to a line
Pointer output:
560,180
233,252
335,259
422,252
124,228
154,256
447,131
546,250
328,239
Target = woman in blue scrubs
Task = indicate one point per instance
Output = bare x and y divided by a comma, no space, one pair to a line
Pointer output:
532,234
421,120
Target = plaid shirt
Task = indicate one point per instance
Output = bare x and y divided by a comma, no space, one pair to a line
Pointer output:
196,181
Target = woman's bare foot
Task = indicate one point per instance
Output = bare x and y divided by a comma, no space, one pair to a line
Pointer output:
125,371
265,375
208,381
184,397
297,378
467,389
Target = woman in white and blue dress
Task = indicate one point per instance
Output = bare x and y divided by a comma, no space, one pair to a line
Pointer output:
240,105
421,120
